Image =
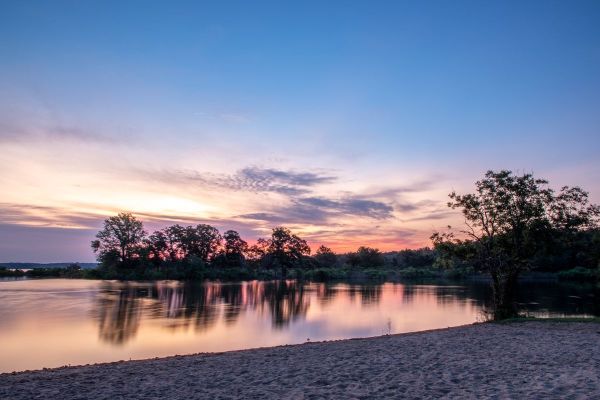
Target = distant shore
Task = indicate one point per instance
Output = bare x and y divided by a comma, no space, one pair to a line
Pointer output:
510,360
374,275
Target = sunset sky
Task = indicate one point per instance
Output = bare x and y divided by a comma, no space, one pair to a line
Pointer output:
349,122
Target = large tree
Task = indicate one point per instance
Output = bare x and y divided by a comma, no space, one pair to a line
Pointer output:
122,235
201,241
507,219
366,257
173,236
286,249
257,252
234,250
156,247
325,257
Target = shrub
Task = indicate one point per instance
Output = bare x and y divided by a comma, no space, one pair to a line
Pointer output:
579,274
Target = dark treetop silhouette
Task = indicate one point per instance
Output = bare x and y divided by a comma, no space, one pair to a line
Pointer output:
513,223
509,220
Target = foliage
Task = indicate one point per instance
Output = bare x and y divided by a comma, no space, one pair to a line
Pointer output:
325,257
11,273
285,249
366,257
121,236
513,223
579,274
510,220
232,254
418,258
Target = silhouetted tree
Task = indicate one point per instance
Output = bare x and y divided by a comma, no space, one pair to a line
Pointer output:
325,257
507,219
122,236
423,257
286,249
173,237
156,247
234,244
201,241
257,252
574,221
234,250
366,257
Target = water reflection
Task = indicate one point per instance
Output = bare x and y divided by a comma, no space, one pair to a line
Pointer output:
121,307
119,315
47,323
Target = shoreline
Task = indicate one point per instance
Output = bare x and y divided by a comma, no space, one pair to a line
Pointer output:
517,359
530,277
252,349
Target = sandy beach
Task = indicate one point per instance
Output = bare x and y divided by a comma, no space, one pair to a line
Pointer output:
515,360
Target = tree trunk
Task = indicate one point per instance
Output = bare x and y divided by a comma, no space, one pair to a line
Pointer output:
504,288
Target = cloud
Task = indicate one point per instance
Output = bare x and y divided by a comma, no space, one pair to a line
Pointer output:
321,210
415,187
45,216
433,216
350,206
285,177
14,133
251,179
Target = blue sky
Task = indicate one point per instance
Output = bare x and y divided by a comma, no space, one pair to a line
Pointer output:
104,105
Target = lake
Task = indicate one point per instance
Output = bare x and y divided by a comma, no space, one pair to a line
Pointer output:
56,322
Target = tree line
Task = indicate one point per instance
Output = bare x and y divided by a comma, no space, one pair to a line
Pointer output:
512,223
124,249
123,244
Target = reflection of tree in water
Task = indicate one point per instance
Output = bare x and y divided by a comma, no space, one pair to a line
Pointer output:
232,296
285,300
199,305
326,292
537,298
189,305
447,295
121,307
408,294
547,298
370,294
118,314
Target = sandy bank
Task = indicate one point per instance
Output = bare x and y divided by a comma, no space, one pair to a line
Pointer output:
518,360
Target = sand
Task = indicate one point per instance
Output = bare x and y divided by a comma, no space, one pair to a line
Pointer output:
516,360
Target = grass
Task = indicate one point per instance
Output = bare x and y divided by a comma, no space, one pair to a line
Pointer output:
555,319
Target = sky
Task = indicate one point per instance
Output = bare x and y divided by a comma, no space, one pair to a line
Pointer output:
349,122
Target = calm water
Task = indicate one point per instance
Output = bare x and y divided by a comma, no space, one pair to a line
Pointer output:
55,322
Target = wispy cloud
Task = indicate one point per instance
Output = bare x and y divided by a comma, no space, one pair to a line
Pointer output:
414,187
46,216
14,133
351,206
434,215
250,179
320,210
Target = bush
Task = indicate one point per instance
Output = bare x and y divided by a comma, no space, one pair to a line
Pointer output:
10,273
373,274
579,274
459,273
323,274
419,273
